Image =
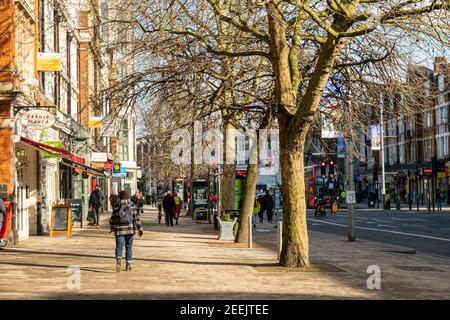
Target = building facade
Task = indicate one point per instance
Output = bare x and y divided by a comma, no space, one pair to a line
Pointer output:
54,59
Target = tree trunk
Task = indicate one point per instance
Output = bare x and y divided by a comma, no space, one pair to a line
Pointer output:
229,170
295,252
247,203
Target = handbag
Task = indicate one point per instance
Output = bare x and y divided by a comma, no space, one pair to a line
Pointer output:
90,216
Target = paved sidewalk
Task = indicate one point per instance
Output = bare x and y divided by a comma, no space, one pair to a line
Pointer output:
188,262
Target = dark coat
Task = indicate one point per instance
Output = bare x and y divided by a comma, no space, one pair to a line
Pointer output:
96,199
268,202
168,203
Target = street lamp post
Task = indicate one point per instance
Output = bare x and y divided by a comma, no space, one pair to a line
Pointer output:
383,181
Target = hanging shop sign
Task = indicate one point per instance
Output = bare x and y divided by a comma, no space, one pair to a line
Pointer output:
48,61
108,165
98,165
50,154
95,122
37,119
99,157
118,170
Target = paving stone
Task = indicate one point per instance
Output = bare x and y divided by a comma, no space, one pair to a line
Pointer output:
188,262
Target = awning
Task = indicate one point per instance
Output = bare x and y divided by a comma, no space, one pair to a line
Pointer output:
53,150
45,148
82,168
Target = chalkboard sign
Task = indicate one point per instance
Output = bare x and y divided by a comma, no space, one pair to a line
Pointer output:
61,222
77,209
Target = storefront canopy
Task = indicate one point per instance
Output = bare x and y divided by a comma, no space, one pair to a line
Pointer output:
84,168
68,158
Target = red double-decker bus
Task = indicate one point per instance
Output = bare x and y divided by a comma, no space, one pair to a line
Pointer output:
320,179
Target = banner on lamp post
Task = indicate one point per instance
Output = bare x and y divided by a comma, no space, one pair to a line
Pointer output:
375,134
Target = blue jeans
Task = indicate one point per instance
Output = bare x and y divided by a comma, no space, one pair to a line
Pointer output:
128,241
254,219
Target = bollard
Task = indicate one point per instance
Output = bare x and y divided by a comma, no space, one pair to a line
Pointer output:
250,230
279,238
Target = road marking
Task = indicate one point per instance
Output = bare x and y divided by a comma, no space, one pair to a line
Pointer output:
414,225
381,220
388,231
385,225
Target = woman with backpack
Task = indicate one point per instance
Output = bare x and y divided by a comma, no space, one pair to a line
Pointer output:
124,222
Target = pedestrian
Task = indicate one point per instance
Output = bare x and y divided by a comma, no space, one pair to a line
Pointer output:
113,199
124,222
153,199
343,195
178,206
256,211
439,200
2,212
138,201
268,202
168,204
262,209
96,201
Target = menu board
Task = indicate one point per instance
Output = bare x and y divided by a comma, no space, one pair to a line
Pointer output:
61,220
77,209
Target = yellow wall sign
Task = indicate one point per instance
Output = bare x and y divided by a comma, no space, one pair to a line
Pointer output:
61,221
441,175
96,164
95,122
48,61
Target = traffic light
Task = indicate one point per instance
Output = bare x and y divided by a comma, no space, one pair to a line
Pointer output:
323,169
331,173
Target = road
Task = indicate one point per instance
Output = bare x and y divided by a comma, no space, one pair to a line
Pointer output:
426,232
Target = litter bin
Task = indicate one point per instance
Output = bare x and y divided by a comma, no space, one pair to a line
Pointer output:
200,214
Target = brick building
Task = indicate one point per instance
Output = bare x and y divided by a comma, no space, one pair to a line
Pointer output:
43,166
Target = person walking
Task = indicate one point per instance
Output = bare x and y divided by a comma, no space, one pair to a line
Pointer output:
113,199
262,204
153,197
138,201
256,211
269,204
124,222
168,204
178,206
439,200
96,201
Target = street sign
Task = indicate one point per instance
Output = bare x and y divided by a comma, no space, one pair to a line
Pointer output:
351,197
37,119
428,171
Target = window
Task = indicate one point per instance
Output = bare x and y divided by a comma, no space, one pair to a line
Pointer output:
441,83
412,152
427,119
402,153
